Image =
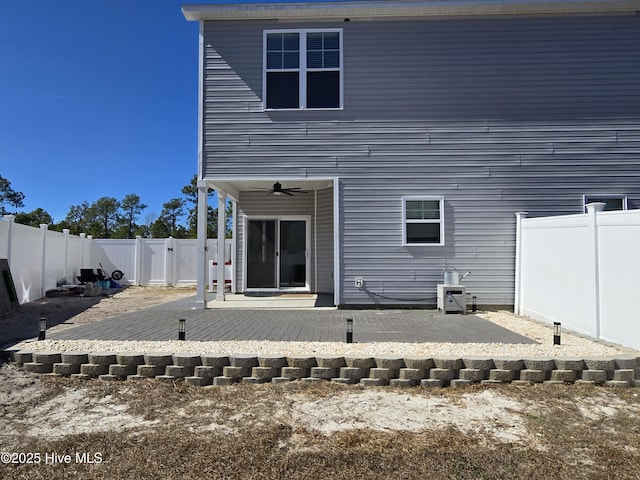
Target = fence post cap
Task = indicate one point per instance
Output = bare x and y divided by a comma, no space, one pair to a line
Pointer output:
595,207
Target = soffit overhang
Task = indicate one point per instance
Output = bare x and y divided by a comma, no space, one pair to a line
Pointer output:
376,10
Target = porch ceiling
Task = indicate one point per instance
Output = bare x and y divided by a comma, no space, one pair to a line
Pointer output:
233,187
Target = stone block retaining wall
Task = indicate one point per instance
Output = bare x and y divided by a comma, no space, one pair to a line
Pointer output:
202,370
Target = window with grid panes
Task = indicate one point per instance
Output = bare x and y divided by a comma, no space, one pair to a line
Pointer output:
303,69
423,221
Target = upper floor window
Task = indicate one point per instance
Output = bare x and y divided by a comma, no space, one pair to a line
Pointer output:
302,69
611,202
423,220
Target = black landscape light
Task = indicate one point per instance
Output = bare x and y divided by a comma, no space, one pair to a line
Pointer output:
556,333
181,325
349,330
474,306
42,328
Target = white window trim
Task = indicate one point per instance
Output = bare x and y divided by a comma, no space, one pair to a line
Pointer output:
440,221
600,198
302,69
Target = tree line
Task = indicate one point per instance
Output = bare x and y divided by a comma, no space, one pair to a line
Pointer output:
109,217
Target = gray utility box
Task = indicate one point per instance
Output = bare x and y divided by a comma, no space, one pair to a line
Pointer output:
452,298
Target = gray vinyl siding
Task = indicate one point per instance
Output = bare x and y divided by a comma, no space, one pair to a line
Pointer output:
324,239
497,115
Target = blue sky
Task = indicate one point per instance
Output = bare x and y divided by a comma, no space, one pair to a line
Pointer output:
97,98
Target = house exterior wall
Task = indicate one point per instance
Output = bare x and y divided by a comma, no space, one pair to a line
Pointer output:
496,115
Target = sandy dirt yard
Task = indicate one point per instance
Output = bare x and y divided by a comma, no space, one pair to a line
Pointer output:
58,428
61,428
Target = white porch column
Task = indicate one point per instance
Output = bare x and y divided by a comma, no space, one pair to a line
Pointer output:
201,270
234,244
222,222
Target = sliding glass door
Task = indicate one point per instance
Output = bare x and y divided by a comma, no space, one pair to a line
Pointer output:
277,254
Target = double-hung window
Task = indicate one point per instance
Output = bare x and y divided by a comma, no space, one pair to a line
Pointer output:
302,69
423,221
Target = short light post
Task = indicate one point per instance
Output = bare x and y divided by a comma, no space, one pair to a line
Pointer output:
181,329
474,305
349,330
556,333
42,328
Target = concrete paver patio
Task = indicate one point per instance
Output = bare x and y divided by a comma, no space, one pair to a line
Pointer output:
314,325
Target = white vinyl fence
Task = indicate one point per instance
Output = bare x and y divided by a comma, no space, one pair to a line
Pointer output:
583,271
41,259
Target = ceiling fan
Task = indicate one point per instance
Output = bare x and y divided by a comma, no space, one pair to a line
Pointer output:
277,189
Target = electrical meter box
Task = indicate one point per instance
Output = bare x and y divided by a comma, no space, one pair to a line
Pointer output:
452,298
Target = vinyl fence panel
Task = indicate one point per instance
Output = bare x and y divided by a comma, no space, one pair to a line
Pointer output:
619,278
41,259
116,255
579,270
26,262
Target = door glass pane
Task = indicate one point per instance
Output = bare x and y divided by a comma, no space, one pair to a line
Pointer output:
293,249
261,254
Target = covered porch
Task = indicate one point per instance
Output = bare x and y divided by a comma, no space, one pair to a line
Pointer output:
283,237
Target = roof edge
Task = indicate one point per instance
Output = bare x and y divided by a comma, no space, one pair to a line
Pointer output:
395,9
